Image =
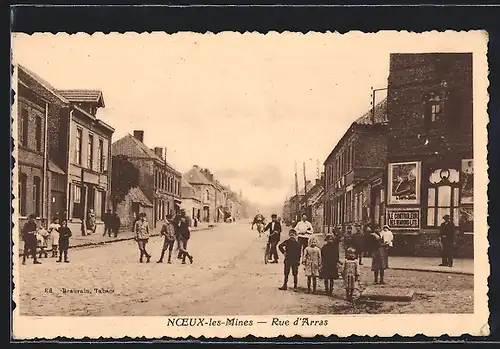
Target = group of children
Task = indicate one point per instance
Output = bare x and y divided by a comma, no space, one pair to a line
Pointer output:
54,239
321,263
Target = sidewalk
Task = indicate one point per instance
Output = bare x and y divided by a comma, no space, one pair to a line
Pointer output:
77,240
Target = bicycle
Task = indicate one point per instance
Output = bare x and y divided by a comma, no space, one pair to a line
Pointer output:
267,253
260,228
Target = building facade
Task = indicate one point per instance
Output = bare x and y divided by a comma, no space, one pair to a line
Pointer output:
134,203
191,200
207,192
359,154
158,180
430,160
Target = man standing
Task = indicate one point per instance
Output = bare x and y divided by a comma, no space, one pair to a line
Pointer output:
304,229
29,238
274,228
447,233
115,224
291,249
107,219
142,236
167,230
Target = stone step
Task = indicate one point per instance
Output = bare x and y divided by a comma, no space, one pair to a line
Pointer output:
380,293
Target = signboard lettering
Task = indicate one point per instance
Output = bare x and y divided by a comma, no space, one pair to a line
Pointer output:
403,219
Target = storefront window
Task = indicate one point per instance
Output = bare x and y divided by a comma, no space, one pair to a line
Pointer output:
443,197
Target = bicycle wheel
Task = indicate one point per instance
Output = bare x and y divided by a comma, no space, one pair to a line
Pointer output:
266,255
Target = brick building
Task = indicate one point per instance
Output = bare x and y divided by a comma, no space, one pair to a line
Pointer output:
359,154
158,180
196,177
191,200
430,149
52,126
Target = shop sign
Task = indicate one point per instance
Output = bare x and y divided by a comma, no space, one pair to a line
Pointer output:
398,218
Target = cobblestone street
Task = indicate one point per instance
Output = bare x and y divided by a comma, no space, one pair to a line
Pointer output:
228,277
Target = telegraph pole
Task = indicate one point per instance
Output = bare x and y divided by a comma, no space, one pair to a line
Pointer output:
305,187
297,193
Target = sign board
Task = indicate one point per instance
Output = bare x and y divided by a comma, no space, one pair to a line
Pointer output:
403,218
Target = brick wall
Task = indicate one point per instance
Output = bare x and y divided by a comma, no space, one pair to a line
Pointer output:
370,149
411,77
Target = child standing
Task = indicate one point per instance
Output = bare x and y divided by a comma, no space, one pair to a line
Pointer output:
329,262
64,235
42,236
350,273
291,248
312,263
54,235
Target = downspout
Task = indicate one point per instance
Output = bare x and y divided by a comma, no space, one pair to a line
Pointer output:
45,178
68,160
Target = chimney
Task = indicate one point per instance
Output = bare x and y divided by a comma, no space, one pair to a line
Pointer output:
139,134
196,167
159,152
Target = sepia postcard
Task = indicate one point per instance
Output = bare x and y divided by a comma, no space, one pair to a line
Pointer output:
186,185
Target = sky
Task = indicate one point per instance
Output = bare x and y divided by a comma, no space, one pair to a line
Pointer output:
246,106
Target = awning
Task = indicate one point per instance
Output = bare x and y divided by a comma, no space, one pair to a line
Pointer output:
137,196
54,168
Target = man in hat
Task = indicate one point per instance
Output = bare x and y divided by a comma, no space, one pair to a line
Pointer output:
274,228
29,238
108,222
447,232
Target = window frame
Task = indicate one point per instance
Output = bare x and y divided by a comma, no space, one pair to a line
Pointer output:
22,194
100,154
24,127
90,152
453,204
38,134
79,146
37,195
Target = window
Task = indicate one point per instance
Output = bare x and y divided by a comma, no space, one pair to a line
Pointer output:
100,154
22,186
90,152
433,109
442,198
78,150
207,196
23,127
37,186
77,202
98,204
38,134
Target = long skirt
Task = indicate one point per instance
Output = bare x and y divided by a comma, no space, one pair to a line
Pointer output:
379,260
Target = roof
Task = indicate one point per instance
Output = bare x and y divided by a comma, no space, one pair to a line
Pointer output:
317,197
83,96
54,168
187,190
24,73
367,120
194,176
380,114
94,118
309,186
132,147
136,195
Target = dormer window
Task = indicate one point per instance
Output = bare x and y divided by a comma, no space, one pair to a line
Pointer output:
433,109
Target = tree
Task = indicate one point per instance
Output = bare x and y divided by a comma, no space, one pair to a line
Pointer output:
124,177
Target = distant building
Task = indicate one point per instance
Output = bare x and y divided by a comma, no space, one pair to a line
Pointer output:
128,210
206,190
159,181
191,200
430,150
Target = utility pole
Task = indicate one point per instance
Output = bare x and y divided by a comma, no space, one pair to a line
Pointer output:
83,200
373,101
305,187
297,193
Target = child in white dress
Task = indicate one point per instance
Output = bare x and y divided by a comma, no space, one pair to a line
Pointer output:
350,273
54,235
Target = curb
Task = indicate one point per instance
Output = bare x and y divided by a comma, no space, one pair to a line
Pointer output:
101,243
456,272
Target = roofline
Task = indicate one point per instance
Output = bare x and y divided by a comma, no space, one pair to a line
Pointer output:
49,88
100,97
94,118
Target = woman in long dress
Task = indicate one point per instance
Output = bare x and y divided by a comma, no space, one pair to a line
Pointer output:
329,262
379,261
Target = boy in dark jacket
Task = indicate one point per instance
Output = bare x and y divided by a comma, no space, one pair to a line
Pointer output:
291,248
274,228
64,235
29,238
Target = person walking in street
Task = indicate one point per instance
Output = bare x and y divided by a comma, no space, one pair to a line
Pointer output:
304,229
350,273
29,237
329,262
167,230
108,222
387,242
447,232
141,230
274,228
291,249
378,257
312,264
64,235
54,235
115,224
184,235
358,244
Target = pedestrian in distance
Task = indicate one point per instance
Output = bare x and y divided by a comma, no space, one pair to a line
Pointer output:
291,249
115,224
329,262
42,236
108,222
378,257
64,235
167,231
54,235
29,237
350,273
141,230
447,232
312,264
274,228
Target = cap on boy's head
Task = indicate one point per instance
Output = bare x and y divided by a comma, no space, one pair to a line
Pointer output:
446,217
329,237
274,215
292,232
32,216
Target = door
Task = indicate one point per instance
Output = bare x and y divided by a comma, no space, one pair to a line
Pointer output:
90,198
57,204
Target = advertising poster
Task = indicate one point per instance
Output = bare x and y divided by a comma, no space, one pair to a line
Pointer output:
404,183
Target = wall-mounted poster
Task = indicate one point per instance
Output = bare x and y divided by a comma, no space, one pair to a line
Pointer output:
467,182
404,183
466,224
